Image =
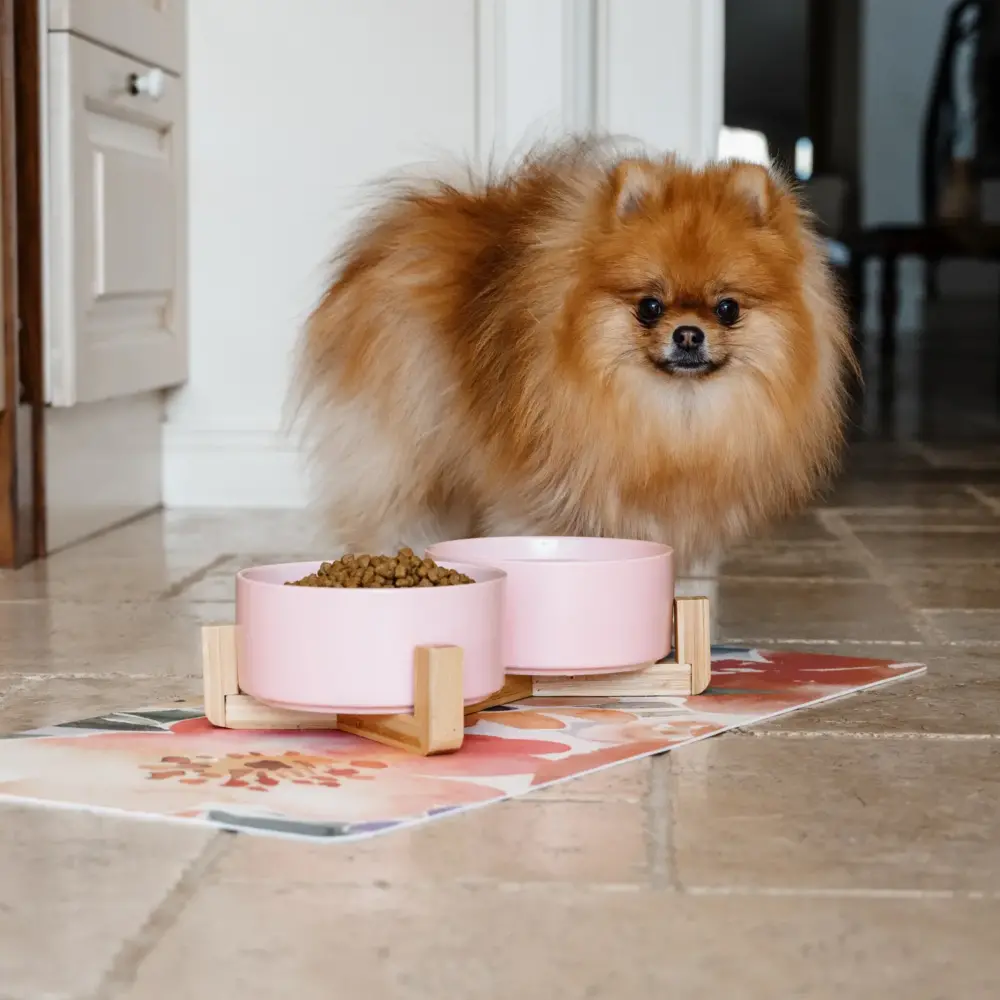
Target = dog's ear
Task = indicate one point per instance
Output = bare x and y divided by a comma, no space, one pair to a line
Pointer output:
754,184
633,183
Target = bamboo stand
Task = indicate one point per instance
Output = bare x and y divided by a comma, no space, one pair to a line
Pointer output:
437,724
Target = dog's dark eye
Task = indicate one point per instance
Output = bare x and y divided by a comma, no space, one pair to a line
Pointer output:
728,311
649,310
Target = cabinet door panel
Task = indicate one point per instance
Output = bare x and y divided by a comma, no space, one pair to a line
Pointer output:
152,30
117,250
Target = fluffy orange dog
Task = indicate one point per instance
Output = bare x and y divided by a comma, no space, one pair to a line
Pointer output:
589,345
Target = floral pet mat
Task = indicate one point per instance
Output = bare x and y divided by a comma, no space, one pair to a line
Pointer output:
171,764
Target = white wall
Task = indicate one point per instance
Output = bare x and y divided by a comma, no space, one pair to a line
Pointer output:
293,106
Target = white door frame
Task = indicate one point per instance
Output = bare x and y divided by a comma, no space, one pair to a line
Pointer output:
651,70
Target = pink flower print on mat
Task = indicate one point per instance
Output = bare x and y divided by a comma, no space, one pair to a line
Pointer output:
258,771
192,768
657,725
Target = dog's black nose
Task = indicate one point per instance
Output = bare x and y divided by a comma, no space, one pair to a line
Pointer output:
689,338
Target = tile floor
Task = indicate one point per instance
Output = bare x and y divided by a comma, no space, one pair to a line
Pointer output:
852,851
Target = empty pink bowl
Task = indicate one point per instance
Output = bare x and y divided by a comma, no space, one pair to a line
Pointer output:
577,605
351,651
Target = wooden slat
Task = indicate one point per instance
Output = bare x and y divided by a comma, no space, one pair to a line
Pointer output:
515,689
693,644
437,724
438,721
218,654
438,701
656,679
244,712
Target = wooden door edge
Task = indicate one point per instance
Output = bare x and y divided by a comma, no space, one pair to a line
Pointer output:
22,457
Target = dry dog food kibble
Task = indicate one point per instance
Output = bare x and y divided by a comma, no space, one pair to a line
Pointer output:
401,570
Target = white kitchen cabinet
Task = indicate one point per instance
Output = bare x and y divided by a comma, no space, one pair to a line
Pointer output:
115,251
151,30
116,223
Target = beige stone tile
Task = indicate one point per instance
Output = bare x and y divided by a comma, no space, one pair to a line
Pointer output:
790,560
802,528
8,684
163,552
882,456
181,532
830,813
251,941
950,457
70,637
746,609
974,586
967,625
55,700
219,584
524,840
76,575
990,490
921,547
74,887
894,492
957,696
622,783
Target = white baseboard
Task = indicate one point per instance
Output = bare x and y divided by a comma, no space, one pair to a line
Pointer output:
231,468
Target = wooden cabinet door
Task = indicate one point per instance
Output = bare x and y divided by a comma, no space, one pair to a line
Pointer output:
116,227
153,30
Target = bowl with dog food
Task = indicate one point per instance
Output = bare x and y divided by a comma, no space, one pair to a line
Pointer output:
341,636
577,605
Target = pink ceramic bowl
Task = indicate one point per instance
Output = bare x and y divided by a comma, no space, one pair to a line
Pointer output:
351,651
577,605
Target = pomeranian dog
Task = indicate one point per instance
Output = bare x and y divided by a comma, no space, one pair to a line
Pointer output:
591,344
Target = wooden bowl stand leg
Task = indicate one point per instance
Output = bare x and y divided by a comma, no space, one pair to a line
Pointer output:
437,724
688,672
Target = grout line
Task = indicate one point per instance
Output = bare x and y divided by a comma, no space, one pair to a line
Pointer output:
926,454
20,685
178,588
814,734
102,532
764,641
109,675
897,510
821,580
126,964
960,611
660,825
821,893
588,889
585,798
838,526
991,503
904,528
